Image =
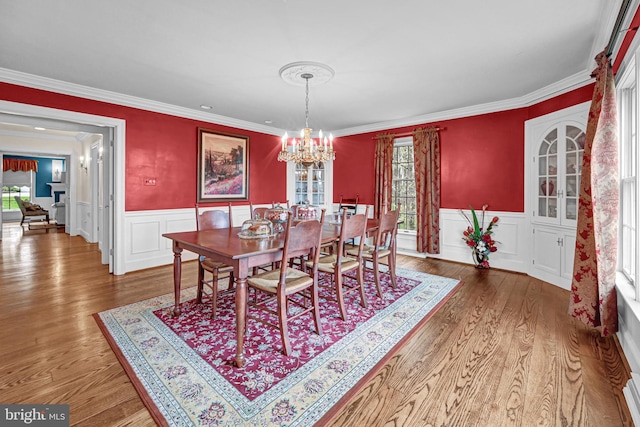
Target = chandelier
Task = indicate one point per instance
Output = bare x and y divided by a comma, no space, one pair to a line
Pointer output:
305,150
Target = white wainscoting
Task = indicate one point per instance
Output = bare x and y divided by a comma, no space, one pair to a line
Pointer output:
84,222
145,247
510,233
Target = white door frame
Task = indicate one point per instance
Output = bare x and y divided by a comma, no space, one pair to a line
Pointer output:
116,204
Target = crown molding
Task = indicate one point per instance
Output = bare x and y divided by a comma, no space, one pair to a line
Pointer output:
37,82
45,83
563,86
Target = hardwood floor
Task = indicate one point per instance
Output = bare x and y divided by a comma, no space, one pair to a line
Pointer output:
502,351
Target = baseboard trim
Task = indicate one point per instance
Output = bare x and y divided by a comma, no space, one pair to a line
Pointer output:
632,395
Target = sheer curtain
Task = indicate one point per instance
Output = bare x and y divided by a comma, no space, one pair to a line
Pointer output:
384,172
426,156
593,293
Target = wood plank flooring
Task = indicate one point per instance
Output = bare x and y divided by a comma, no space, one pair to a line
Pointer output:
501,352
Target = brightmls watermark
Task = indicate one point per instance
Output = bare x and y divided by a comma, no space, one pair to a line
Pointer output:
34,415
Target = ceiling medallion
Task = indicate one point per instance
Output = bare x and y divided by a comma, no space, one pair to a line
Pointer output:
293,73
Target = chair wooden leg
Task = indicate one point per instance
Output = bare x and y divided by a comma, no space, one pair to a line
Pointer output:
282,318
214,294
316,308
340,296
363,297
376,274
392,270
200,283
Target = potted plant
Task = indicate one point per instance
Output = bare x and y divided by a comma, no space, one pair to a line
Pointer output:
478,238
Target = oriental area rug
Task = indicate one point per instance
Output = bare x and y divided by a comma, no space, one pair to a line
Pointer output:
182,367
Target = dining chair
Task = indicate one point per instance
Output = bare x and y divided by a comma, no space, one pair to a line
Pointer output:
349,203
339,263
209,220
287,285
257,211
383,246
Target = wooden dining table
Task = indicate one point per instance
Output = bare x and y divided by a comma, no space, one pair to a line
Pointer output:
226,246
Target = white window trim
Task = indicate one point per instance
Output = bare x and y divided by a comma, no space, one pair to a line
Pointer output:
404,142
629,77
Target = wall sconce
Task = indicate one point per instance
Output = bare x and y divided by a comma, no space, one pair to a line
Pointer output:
83,164
100,154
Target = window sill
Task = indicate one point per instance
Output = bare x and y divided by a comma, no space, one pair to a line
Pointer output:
628,293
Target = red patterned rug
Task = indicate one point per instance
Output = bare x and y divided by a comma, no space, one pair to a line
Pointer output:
183,366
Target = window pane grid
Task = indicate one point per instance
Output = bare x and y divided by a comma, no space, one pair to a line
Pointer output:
8,196
628,225
404,186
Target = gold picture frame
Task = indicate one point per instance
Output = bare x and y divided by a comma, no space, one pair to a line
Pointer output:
223,166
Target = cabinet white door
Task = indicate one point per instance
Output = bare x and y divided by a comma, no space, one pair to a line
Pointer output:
553,253
568,255
547,254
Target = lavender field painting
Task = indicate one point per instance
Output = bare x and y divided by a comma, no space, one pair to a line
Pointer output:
222,166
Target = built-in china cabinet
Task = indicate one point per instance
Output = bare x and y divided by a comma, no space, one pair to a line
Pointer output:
312,183
554,148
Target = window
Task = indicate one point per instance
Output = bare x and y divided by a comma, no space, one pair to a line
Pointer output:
15,184
404,183
8,200
627,263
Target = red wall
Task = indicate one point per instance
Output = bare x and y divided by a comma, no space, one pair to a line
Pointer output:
165,147
482,156
353,168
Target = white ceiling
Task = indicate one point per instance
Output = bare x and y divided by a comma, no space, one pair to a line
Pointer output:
396,63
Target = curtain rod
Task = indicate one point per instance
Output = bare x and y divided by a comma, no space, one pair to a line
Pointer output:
403,134
617,30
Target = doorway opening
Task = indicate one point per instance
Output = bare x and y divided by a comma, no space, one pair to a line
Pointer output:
103,140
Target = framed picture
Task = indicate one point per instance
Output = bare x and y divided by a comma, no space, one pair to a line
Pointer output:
223,166
56,171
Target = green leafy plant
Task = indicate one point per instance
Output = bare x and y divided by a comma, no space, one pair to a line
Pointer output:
478,238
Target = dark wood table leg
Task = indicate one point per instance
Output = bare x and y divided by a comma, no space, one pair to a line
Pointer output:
177,276
241,314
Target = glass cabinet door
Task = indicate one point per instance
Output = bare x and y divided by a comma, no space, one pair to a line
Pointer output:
559,168
574,141
310,184
301,184
548,176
